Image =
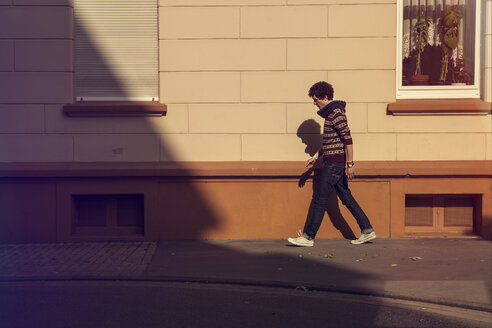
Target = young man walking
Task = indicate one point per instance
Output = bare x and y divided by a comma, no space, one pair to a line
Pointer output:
336,152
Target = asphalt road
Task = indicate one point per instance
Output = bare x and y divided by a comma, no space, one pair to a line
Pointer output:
133,304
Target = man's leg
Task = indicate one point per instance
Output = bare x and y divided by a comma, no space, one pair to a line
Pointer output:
320,200
330,175
349,201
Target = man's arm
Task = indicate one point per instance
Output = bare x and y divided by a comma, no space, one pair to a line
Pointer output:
310,162
349,149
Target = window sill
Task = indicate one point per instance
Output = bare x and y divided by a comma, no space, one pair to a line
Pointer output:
114,108
439,107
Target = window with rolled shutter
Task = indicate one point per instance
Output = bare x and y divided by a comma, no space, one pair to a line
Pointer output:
116,50
116,215
456,214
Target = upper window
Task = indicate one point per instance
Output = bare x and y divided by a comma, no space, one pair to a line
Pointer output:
116,50
438,49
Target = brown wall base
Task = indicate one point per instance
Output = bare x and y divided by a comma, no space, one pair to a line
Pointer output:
245,200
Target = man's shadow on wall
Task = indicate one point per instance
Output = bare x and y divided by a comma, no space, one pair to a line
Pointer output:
310,134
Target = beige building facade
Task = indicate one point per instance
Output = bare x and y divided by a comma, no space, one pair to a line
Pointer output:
226,159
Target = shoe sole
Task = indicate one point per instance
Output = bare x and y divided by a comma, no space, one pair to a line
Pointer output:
297,244
357,242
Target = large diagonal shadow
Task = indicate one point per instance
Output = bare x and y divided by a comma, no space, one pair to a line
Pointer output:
182,211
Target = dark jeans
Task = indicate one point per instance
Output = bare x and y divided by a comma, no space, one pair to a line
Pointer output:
333,176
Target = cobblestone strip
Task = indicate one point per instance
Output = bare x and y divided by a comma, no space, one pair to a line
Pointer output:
75,259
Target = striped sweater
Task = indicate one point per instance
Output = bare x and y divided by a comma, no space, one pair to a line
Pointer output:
336,132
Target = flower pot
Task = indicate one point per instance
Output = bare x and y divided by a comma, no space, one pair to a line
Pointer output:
420,79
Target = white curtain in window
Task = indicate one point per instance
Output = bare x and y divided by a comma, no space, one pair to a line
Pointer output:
435,9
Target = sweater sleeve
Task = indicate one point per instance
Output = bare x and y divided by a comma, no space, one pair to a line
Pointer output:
340,125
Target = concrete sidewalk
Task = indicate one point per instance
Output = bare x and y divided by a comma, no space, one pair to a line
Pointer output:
454,272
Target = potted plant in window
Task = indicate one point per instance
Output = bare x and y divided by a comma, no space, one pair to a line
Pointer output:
448,27
459,74
420,36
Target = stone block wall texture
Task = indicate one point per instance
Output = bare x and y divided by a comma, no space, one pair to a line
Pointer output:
36,73
487,79
235,76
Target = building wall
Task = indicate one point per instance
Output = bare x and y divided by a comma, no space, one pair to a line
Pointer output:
254,200
487,90
235,76
36,39
249,65
487,85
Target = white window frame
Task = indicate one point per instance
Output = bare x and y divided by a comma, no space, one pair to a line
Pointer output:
438,91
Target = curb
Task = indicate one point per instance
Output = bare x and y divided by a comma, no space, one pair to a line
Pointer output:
239,282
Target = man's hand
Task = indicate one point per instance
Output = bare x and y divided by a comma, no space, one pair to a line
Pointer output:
304,177
350,173
310,162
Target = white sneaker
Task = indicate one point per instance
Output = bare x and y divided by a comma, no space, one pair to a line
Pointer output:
301,240
364,238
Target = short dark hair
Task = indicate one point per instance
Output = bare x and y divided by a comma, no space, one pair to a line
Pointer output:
321,90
